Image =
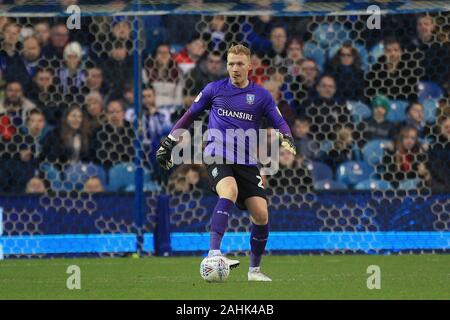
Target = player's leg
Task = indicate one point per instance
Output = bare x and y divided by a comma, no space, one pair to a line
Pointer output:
224,184
259,215
227,190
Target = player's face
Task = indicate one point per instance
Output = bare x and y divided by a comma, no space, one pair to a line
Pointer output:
238,66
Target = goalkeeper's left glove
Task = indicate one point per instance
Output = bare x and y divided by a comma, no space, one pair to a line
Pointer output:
287,142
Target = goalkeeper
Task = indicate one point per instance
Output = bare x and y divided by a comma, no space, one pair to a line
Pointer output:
234,103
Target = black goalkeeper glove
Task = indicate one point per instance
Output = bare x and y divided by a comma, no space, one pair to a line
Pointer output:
287,142
164,153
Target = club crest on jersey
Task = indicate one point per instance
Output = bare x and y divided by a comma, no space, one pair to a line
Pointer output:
250,98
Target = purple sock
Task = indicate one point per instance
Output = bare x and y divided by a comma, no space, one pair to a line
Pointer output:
258,241
219,222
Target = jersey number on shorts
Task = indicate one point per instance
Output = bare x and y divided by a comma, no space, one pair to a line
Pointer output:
260,184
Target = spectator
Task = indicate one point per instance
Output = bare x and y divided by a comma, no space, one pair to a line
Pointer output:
294,57
435,56
69,142
303,85
415,118
404,160
286,110
188,57
128,97
121,32
94,107
113,142
118,68
377,127
42,33
35,185
188,177
165,77
43,93
10,44
72,76
59,38
345,67
292,177
37,129
277,52
93,185
344,149
438,163
95,81
303,139
216,34
395,75
15,105
17,170
24,68
326,111
210,69
259,72
156,122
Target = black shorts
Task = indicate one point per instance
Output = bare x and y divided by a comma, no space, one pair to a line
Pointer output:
248,180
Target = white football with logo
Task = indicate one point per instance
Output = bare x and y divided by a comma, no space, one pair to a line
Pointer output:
214,269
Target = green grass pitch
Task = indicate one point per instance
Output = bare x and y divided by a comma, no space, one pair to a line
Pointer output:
294,277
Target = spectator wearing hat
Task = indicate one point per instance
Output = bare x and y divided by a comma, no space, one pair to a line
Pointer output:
377,127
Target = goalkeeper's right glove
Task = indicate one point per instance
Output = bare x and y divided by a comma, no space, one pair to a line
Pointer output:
164,153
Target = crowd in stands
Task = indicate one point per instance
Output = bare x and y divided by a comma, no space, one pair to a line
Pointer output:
67,97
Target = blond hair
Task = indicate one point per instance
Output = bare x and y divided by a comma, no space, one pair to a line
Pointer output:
239,49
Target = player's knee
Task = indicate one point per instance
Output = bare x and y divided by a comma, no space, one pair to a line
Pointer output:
261,217
227,188
231,194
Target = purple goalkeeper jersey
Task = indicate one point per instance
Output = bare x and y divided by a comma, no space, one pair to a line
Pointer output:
233,108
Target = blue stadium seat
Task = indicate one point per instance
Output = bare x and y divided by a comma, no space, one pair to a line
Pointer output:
429,90
148,187
373,151
396,111
319,170
409,184
376,52
76,175
329,184
122,175
330,34
371,184
359,110
430,107
352,172
312,50
51,174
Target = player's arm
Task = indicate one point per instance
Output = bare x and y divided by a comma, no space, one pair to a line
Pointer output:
201,102
284,133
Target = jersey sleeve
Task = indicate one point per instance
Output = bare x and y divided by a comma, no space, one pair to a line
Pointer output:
201,103
273,114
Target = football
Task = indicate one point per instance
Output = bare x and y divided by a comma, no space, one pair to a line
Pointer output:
214,269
